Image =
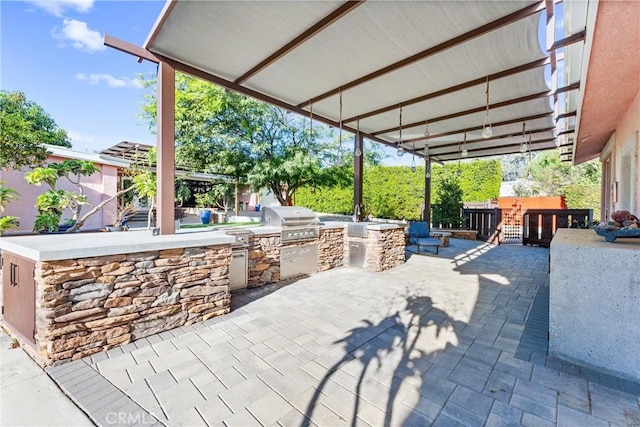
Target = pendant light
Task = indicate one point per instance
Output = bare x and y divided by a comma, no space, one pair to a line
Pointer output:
413,158
458,172
400,151
487,132
357,151
340,156
465,152
523,145
427,170
426,129
310,149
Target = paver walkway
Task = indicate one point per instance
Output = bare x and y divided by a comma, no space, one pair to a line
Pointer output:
440,340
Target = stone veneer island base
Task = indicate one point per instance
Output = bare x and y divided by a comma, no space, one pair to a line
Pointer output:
70,296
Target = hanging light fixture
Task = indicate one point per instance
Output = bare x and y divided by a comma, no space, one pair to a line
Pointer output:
357,152
427,170
400,151
426,129
413,158
465,152
487,132
310,149
458,172
523,145
340,156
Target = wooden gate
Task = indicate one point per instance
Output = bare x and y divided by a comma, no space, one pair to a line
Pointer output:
487,222
19,295
539,225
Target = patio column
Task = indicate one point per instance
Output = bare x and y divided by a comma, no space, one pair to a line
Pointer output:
165,165
426,215
358,140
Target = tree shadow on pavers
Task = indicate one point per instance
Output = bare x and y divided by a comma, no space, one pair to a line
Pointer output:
396,347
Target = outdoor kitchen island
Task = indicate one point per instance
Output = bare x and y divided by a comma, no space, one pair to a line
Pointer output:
72,295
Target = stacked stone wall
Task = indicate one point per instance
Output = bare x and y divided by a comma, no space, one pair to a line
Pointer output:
385,249
330,248
88,305
264,260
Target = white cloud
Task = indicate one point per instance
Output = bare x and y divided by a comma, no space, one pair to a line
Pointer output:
58,7
82,141
80,35
110,80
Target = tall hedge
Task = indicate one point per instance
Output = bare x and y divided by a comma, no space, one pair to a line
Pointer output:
396,192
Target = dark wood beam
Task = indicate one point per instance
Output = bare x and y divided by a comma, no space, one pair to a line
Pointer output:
467,112
565,115
131,49
477,32
573,86
474,128
306,35
573,38
434,148
479,81
477,151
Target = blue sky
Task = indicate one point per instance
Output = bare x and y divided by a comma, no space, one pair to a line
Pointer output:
53,52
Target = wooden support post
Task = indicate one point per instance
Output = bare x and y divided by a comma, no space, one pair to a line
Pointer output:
166,148
358,141
426,215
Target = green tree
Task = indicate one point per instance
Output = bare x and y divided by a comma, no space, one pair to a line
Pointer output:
7,195
579,184
222,132
24,127
447,210
52,203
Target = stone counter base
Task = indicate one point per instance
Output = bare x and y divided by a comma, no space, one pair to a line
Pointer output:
89,305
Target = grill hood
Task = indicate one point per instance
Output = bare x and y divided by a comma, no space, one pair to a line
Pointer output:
287,216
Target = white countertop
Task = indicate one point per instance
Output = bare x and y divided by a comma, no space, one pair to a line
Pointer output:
50,247
572,237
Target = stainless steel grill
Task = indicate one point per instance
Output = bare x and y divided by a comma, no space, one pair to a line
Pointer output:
298,224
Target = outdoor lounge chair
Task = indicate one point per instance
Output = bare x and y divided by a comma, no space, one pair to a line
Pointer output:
419,235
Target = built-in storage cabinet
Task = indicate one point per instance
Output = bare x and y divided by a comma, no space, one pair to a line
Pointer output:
19,295
298,260
238,269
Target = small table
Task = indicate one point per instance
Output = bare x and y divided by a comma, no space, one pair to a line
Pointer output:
443,236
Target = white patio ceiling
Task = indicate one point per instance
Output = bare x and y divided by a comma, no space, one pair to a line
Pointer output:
432,58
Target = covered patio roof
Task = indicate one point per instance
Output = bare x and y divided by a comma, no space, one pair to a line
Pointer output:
386,69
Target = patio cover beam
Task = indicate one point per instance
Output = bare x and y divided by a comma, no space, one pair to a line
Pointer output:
306,35
434,148
479,81
541,147
467,112
477,32
574,38
475,128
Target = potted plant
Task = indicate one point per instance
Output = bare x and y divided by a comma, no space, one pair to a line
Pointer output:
178,215
120,219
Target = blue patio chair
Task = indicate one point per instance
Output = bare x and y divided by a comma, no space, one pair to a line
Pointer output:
419,235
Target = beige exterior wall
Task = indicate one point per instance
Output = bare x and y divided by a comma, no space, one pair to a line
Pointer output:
621,165
97,187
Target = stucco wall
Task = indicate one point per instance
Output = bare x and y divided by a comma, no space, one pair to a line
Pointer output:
97,187
627,129
593,302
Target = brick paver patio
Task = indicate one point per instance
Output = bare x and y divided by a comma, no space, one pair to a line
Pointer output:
441,340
